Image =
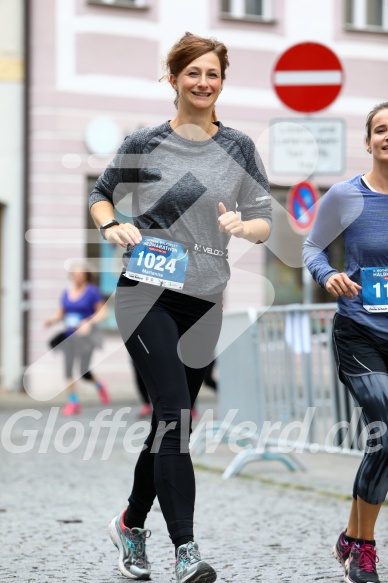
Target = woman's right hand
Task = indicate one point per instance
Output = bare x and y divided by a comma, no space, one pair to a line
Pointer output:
339,284
123,234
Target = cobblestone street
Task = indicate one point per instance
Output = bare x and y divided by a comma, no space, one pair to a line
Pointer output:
55,508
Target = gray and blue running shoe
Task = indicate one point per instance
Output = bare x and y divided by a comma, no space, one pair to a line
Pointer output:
131,543
189,566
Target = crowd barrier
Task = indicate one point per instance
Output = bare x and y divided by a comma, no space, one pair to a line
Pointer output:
279,376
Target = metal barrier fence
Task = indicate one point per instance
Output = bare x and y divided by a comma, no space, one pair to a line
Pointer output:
280,375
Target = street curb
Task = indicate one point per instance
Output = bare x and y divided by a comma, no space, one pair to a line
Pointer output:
273,482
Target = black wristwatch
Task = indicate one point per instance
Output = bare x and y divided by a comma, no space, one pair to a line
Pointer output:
103,228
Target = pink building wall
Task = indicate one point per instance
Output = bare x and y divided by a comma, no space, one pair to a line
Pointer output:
91,60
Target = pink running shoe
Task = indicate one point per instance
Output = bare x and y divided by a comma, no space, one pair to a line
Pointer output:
362,564
71,409
145,410
103,392
342,549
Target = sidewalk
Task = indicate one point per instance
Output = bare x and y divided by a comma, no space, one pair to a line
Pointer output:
330,474
326,473
88,395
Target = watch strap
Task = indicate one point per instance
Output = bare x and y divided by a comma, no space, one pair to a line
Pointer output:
103,228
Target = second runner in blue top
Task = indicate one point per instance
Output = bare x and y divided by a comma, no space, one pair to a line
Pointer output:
358,209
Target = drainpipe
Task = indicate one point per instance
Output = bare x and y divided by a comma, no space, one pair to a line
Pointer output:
26,182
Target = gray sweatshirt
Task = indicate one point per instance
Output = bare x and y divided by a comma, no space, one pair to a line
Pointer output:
170,187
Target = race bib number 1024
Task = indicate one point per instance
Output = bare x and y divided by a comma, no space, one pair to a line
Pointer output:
159,262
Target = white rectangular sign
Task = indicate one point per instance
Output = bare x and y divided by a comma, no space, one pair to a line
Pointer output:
307,146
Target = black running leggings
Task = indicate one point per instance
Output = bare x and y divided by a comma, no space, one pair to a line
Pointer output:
171,338
362,360
370,392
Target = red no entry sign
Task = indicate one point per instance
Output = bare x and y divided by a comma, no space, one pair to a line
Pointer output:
302,206
308,77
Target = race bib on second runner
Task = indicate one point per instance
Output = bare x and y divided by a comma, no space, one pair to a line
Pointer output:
374,281
72,320
159,262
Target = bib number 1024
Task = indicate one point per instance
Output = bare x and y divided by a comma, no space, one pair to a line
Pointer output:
158,262
377,286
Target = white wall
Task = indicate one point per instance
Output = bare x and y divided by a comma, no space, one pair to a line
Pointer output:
11,190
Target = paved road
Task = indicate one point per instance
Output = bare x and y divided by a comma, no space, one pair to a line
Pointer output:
55,507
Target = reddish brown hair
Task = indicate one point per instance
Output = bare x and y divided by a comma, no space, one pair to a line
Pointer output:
190,47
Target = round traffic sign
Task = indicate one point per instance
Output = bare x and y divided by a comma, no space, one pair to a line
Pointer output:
302,206
308,77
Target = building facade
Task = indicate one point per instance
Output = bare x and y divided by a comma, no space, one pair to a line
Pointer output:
11,191
95,67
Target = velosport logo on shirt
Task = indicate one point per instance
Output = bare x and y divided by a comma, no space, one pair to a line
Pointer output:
208,250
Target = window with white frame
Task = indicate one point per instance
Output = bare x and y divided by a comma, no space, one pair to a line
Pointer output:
121,3
367,15
247,9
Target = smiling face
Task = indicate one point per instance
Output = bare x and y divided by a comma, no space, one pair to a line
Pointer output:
199,84
377,143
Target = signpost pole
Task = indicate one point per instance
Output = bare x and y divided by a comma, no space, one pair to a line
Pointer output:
302,209
307,78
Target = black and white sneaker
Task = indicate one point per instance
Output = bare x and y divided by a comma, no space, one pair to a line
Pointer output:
361,564
341,549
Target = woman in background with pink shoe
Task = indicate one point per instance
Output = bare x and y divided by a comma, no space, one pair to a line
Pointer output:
82,306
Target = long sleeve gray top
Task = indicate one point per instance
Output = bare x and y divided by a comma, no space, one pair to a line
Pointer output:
170,187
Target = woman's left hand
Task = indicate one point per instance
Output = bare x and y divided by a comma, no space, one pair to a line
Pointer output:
229,222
